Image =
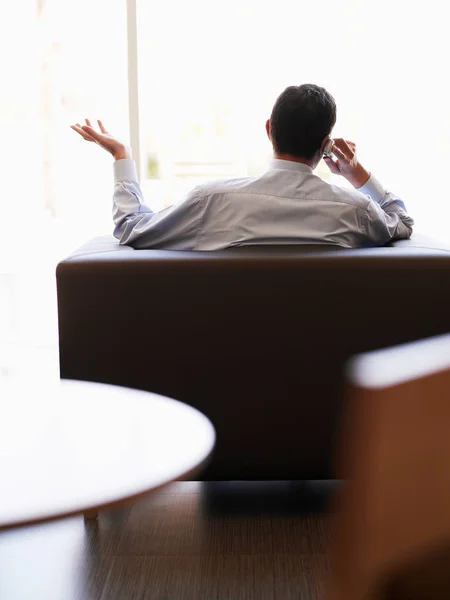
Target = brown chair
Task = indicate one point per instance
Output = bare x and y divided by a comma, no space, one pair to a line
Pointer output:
391,528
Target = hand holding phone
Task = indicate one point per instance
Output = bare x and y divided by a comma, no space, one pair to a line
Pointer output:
340,156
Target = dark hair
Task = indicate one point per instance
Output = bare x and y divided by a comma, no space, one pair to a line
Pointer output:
301,117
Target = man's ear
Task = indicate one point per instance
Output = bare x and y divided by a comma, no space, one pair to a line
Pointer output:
268,129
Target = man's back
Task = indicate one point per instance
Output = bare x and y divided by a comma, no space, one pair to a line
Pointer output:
286,205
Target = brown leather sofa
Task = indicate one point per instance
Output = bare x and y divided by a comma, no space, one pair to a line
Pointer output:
256,338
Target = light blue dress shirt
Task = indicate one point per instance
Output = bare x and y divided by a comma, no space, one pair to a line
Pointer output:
288,204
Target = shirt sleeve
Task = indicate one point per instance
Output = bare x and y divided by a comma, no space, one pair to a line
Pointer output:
137,225
386,216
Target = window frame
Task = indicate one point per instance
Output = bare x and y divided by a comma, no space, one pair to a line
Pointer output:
133,84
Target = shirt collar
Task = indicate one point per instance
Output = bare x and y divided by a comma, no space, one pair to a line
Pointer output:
289,165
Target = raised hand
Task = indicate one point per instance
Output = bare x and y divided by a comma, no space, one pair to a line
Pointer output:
345,162
103,138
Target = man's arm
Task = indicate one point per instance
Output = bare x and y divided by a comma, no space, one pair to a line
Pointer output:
135,223
386,217
175,228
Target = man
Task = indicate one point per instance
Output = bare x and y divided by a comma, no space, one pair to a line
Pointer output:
286,205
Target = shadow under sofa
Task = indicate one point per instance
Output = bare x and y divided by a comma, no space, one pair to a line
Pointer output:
257,338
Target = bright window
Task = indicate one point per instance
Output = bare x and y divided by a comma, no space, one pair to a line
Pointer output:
62,61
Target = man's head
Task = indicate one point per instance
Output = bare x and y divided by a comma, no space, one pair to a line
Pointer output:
301,121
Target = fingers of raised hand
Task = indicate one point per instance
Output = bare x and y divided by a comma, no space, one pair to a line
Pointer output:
100,124
78,128
92,133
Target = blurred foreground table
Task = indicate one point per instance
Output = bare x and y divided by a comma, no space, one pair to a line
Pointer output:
72,447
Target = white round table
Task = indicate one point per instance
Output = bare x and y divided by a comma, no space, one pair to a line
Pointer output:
73,447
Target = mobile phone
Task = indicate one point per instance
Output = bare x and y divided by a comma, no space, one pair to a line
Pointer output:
328,148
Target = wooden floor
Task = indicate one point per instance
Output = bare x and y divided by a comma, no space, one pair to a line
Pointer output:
213,541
